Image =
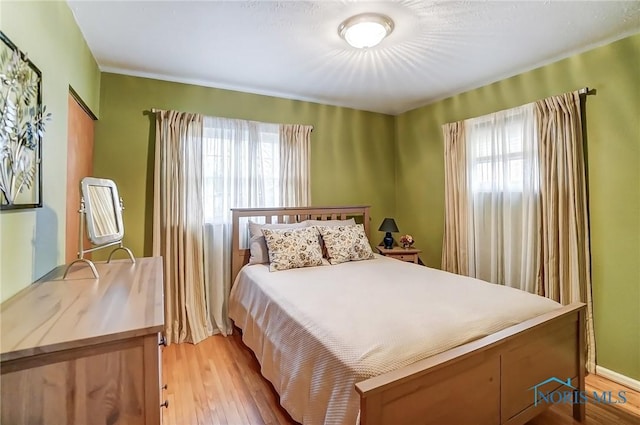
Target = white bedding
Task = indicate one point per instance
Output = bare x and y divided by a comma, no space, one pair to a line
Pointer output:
317,331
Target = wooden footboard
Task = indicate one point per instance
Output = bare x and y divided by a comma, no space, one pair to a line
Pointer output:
487,381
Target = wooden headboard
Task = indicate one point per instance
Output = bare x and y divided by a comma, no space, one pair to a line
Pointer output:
240,256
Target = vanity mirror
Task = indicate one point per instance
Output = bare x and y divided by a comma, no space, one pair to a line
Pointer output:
101,217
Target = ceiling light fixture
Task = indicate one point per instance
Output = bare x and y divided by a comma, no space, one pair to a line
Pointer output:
365,30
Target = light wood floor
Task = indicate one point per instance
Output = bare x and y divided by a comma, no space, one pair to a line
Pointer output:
218,382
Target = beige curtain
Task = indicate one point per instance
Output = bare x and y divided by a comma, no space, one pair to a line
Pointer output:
295,146
565,259
178,223
455,242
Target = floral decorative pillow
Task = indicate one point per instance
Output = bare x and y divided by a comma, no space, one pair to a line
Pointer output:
329,223
257,244
293,248
346,243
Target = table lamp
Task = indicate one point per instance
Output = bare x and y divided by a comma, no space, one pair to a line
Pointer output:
388,225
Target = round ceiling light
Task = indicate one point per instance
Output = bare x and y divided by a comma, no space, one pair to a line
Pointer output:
365,30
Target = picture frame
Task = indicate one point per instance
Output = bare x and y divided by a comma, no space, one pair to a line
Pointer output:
25,187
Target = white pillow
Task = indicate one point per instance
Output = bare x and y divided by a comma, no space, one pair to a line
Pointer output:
293,248
346,243
258,246
331,223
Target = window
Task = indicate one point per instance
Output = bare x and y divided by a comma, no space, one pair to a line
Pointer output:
503,174
241,166
499,158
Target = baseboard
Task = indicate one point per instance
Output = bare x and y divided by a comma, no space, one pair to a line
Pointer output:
634,384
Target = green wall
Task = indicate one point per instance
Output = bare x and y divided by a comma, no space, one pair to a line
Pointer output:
613,147
393,164
351,151
32,241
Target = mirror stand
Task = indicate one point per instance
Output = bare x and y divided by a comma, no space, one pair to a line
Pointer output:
125,249
81,251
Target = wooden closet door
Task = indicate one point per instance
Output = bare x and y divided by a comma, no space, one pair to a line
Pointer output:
79,165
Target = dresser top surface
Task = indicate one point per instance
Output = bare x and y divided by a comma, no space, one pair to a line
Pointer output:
54,314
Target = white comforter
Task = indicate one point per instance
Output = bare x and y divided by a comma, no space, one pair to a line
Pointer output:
317,331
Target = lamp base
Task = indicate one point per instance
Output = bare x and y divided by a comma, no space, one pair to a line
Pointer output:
388,241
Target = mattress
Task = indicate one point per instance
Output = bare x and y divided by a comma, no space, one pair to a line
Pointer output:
318,331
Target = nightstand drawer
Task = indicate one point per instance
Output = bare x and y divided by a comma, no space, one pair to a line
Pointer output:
405,257
402,254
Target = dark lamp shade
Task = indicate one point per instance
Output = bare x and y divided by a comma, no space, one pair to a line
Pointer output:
388,225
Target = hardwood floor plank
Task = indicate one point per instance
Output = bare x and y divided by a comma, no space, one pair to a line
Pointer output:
600,384
225,408
210,396
218,382
224,365
197,375
250,409
256,387
266,394
217,394
186,393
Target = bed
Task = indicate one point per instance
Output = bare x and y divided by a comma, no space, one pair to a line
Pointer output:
383,341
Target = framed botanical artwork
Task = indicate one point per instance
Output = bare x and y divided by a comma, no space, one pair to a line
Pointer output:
22,123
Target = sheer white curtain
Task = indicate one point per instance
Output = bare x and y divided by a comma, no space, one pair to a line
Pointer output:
241,164
503,197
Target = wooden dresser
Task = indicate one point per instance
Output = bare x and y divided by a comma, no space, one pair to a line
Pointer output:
84,350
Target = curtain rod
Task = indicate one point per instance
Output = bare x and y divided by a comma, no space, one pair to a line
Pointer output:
154,110
587,91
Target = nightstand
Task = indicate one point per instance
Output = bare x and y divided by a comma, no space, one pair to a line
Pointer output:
399,253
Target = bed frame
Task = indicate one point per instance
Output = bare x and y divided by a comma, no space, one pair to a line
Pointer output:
487,381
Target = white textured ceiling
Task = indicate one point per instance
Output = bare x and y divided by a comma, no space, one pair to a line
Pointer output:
292,48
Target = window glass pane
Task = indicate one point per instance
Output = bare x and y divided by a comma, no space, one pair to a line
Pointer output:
496,154
240,166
